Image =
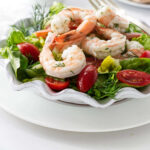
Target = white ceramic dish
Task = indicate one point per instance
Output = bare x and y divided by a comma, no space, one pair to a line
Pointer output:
129,2
33,108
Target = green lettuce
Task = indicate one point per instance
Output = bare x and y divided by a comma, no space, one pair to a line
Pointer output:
105,86
144,40
38,42
15,37
133,28
140,64
4,52
109,65
35,70
19,63
54,9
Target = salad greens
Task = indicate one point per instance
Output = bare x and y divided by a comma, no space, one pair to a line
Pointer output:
15,37
35,70
4,52
54,9
19,63
105,86
144,40
109,65
133,28
24,71
140,64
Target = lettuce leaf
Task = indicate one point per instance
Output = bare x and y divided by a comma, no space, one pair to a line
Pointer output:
19,63
144,40
105,86
35,70
38,42
15,37
133,28
4,52
140,64
54,9
109,65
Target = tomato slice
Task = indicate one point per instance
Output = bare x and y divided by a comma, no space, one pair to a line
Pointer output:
87,78
93,61
145,54
29,50
56,84
134,77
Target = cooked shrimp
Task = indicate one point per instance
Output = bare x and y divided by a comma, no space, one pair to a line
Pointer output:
110,19
99,48
134,48
67,18
73,60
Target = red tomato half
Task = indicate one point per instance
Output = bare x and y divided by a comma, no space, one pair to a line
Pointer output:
130,36
29,50
145,54
134,78
93,61
87,78
55,84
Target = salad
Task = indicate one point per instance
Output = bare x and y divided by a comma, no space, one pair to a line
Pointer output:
95,52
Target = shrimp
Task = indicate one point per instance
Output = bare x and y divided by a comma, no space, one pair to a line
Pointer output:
99,48
134,48
110,19
70,17
73,60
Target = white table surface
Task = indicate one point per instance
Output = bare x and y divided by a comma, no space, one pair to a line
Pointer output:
16,134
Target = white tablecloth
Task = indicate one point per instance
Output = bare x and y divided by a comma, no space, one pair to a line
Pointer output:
16,134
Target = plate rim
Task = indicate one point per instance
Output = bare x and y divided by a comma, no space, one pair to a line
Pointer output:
128,2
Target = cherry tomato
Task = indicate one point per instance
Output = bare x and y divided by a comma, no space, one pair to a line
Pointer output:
93,61
55,84
134,78
145,54
87,78
29,50
132,35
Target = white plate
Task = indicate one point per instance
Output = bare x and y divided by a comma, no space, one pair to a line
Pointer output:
30,107
129,2
33,108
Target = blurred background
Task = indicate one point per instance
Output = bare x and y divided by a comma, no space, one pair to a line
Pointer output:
13,10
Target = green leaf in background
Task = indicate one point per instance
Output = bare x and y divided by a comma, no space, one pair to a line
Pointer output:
133,28
15,37
144,40
54,9
109,65
19,63
4,52
140,64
